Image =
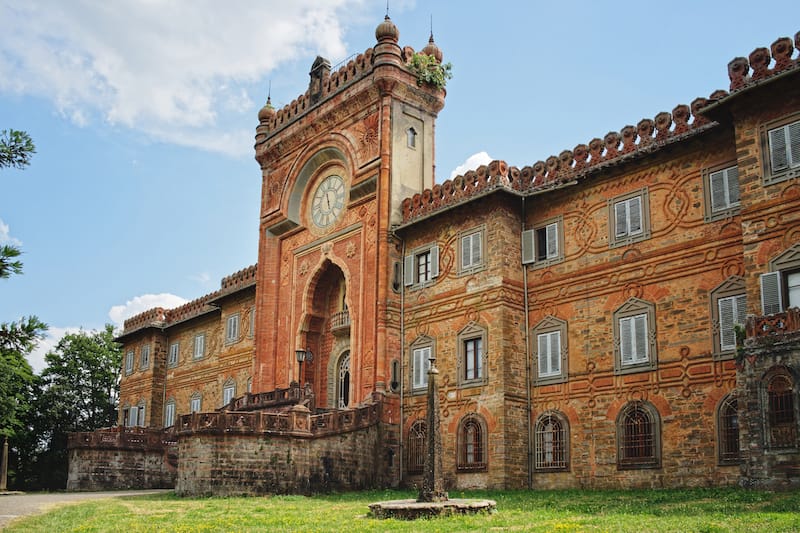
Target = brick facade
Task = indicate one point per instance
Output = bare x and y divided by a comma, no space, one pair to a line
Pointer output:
579,309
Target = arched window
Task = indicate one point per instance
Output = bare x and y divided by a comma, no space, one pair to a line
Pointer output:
472,443
781,417
551,443
411,137
343,389
416,447
638,437
728,431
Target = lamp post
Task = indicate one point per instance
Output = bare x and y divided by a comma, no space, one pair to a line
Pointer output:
302,355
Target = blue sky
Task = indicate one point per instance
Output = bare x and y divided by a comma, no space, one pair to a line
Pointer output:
144,190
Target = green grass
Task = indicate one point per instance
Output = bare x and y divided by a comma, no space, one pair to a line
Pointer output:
707,510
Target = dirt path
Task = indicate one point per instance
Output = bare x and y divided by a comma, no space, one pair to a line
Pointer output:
15,505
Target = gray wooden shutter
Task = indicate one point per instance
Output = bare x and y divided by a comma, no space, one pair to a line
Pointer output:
771,301
435,261
727,314
542,353
635,215
640,322
465,251
620,219
408,270
528,253
555,352
625,340
476,249
777,150
732,174
741,309
552,240
718,199
794,143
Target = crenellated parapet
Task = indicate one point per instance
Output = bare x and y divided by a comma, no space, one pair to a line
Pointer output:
648,136
744,72
240,279
155,317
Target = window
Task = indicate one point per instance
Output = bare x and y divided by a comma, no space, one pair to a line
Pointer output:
232,328
252,329
199,346
169,413
141,418
417,446
343,382
174,349
780,288
544,244
550,350
249,385
781,417
133,418
126,413
629,218
471,363
411,137
195,403
421,266
728,308
421,353
129,362
471,252
781,143
634,337
638,437
394,382
144,358
228,391
721,192
551,434
471,444
728,431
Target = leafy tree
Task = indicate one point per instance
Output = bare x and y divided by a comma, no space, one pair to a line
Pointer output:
16,149
79,392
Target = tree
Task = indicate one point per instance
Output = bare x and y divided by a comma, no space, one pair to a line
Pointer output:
16,149
17,340
79,392
8,265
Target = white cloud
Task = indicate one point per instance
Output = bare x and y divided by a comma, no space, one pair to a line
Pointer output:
5,235
203,278
472,162
48,344
139,304
177,71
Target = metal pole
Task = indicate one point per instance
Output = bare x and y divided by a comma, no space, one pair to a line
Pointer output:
4,466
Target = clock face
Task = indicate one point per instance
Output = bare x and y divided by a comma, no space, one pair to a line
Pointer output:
328,201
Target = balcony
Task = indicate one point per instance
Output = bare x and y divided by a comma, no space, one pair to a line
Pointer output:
775,324
340,323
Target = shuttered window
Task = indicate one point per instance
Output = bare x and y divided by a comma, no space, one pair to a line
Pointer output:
633,339
419,367
732,311
724,186
549,351
784,147
232,328
628,217
199,346
421,266
129,362
173,354
169,414
144,361
543,244
771,296
471,250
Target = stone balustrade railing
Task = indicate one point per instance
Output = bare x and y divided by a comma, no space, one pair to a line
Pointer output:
340,320
776,324
123,438
297,421
274,398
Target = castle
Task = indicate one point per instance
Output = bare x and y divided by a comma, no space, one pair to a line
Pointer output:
624,314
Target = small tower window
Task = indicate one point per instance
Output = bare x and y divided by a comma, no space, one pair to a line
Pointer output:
411,137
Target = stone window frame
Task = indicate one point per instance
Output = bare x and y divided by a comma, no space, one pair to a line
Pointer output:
230,384
196,397
421,343
411,278
476,234
559,440
765,133
471,449
232,328
725,172
130,356
549,325
144,357
615,241
411,138
727,418
774,284
770,403
169,404
733,287
530,243
199,340
417,443
471,332
251,331
623,422
634,307
174,354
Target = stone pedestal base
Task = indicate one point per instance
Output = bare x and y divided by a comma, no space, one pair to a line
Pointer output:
412,509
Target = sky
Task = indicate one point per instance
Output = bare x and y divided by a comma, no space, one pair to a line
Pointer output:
144,190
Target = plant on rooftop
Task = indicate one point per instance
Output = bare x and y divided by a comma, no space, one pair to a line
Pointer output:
429,71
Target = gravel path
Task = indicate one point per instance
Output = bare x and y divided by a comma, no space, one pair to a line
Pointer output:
17,504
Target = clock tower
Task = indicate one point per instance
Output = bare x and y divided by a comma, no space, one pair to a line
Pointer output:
336,164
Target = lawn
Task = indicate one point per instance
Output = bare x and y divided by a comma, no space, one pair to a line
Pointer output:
570,510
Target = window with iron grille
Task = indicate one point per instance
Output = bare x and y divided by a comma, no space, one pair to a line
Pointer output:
728,431
416,447
781,416
551,443
638,437
471,444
